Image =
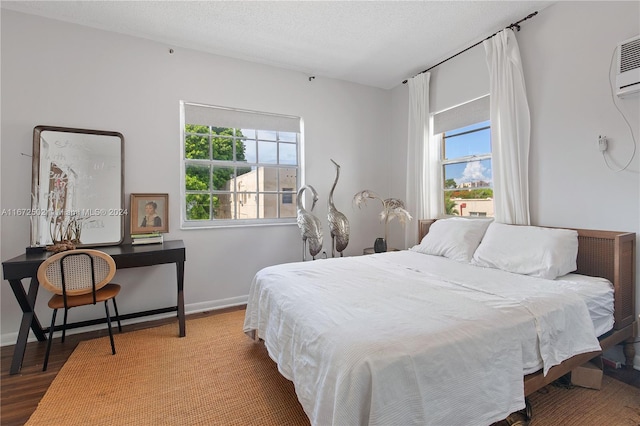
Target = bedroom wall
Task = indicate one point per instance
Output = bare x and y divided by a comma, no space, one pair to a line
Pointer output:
56,73
62,74
566,52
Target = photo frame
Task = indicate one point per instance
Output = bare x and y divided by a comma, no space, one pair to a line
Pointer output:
147,208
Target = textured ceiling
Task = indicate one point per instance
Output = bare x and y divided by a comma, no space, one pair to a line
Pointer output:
376,43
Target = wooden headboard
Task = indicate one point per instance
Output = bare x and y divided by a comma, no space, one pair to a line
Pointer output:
607,254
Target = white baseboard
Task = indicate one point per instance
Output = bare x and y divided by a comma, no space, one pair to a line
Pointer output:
192,308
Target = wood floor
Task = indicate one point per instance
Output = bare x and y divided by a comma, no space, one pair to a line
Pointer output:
22,392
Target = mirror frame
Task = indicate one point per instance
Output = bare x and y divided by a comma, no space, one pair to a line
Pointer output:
35,183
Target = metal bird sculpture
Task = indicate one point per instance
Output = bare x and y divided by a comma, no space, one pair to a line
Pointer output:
309,225
338,222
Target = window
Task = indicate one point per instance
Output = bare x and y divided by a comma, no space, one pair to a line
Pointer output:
239,166
287,196
467,182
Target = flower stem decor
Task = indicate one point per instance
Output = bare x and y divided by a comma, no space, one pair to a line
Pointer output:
65,231
391,208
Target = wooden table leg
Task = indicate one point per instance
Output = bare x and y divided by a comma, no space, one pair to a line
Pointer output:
181,314
29,320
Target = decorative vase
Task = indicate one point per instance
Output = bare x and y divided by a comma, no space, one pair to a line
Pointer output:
380,245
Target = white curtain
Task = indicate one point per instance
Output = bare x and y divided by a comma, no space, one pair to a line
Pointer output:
419,199
510,129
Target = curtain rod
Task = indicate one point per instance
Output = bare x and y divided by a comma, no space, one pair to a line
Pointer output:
515,25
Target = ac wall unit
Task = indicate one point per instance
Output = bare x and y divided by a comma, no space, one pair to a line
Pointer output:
628,67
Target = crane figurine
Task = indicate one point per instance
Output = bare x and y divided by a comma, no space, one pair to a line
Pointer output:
338,222
309,225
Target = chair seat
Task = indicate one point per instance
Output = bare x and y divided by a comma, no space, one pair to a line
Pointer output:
78,277
107,292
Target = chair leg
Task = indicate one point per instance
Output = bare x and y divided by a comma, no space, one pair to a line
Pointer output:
115,306
64,324
113,345
49,340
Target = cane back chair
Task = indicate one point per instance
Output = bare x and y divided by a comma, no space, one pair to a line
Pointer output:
77,278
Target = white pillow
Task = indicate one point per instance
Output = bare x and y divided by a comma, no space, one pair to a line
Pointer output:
455,238
528,250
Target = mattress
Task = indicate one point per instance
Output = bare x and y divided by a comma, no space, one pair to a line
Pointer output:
408,338
597,293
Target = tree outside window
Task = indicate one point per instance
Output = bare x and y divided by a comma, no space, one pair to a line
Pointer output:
237,173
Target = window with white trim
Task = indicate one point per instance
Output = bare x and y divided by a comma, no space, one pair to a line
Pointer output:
239,166
467,179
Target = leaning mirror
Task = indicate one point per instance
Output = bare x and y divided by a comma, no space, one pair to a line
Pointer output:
77,187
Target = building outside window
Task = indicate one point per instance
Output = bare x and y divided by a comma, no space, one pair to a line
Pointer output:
238,166
467,180
287,196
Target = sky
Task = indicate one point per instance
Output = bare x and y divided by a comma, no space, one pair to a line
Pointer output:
476,143
268,149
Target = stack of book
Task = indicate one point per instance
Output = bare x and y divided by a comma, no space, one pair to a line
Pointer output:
151,238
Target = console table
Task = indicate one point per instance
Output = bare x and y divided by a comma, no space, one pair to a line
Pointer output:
125,256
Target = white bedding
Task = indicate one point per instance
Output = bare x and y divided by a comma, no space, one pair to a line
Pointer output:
385,339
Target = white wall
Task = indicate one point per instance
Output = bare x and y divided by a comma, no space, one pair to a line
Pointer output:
60,74
566,52
55,73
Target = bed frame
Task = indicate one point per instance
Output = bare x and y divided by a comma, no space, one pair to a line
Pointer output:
607,254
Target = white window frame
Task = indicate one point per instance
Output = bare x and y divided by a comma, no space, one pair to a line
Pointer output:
236,118
460,116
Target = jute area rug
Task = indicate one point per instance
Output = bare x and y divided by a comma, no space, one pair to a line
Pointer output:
216,375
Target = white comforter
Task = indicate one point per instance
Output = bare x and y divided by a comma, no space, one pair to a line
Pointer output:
405,338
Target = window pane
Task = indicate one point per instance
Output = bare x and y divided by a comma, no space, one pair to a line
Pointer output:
465,144
241,149
226,131
196,147
469,202
223,206
246,205
197,178
472,174
250,151
222,148
288,154
245,174
275,179
269,206
249,133
288,203
287,196
223,178
198,206
288,179
267,135
269,178
267,152
196,128
288,137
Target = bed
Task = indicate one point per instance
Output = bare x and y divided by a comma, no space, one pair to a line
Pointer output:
431,335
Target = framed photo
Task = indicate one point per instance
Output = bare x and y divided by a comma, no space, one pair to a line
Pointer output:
149,213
